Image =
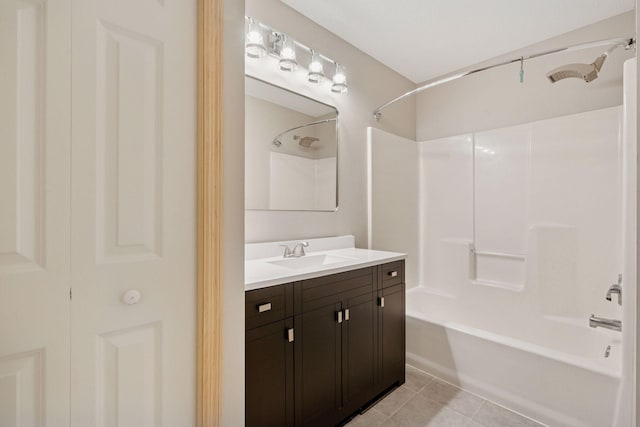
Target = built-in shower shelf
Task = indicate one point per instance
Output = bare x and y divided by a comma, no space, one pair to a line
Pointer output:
505,270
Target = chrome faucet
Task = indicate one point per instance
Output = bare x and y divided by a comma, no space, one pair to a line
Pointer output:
297,251
616,289
601,322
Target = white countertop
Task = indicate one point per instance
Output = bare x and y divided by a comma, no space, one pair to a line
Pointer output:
265,272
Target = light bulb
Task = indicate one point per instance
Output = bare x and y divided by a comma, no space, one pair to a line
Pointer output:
316,71
339,80
287,55
254,45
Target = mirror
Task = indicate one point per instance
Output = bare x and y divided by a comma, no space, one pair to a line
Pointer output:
291,150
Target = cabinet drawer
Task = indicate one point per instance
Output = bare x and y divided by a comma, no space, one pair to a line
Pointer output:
392,273
358,281
263,306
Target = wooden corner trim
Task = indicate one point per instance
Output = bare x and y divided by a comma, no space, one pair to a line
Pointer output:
209,231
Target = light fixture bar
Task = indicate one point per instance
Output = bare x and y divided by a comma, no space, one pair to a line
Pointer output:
318,66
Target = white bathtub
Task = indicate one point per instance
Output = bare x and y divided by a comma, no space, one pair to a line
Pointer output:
552,369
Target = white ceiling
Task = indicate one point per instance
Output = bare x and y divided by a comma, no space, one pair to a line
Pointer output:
423,39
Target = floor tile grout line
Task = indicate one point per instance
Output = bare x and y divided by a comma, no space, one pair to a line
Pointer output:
402,406
478,409
477,395
446,405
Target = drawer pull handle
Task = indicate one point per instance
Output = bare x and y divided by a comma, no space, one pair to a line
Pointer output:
290,334
264,307
382,302
346,314
340,316
392,273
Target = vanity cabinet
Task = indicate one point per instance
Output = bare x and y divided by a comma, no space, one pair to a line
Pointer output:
323,348
336,353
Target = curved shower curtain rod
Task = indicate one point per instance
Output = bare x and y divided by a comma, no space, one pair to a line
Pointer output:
627,43
302,126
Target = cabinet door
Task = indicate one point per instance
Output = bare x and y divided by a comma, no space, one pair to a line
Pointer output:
319,365
391,318
269,375
359,350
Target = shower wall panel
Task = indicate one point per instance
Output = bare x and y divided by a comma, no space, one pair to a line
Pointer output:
528,216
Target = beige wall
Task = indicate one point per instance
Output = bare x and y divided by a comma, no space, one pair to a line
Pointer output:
370,84
637,326
233,207
497,98
395,191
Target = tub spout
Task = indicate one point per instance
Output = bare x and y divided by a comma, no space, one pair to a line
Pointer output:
601,322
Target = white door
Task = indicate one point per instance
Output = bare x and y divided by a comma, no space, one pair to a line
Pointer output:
34,212
133,205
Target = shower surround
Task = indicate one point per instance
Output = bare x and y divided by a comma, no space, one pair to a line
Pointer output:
521,239
520,236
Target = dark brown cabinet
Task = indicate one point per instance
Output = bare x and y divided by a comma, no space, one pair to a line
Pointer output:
318,365
391,326
269,358
320,349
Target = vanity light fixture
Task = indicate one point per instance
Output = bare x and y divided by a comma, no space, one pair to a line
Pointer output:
288,55
262,40
254,43
339,80
316,70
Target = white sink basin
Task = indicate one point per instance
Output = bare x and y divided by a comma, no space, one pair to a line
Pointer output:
309,261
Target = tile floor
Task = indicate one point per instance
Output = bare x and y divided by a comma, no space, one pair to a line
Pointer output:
425,401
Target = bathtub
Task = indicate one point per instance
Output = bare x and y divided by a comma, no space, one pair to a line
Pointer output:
552,369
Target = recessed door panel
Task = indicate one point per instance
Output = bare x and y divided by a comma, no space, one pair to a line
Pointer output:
134,218
34,212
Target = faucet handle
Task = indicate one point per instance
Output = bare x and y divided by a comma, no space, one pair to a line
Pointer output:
616,288
300,245
287,251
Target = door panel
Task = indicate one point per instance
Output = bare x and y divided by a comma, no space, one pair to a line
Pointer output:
269,376
318,366
360,347
133,204
392,334
34,212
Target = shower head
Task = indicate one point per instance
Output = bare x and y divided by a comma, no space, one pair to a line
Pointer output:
306,141
277,142
586,72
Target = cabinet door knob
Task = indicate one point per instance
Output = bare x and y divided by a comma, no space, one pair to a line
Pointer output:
290,334
392,273
340,316
382,302
346,314
264,307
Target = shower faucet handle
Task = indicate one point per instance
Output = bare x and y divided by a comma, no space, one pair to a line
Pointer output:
616,289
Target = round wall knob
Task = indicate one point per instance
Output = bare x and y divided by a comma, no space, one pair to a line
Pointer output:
131,297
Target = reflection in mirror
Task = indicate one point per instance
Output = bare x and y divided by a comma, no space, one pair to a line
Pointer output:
291,149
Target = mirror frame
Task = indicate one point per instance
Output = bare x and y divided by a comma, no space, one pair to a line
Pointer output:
337,150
